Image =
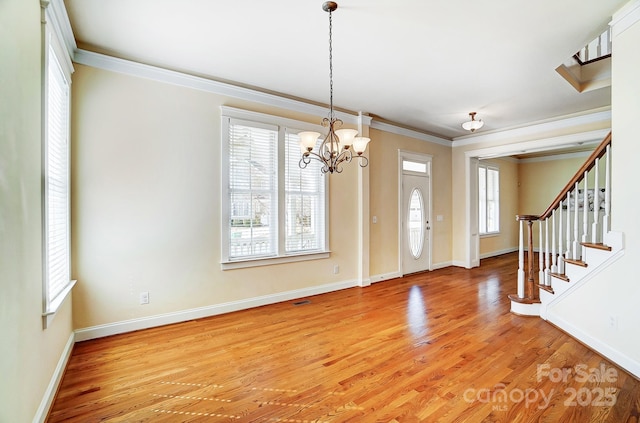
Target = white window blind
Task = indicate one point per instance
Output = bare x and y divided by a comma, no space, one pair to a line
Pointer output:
304,200
489,199
252,190
57,258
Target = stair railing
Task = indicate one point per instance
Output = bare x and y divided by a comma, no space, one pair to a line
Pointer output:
578,216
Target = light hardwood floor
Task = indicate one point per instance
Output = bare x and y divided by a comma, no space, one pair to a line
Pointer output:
438,346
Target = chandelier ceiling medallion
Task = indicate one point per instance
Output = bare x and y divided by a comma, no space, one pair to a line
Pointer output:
339,144
473,124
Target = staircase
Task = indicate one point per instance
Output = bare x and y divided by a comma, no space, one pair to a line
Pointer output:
574,241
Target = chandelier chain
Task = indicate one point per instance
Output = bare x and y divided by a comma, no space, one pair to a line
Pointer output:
331,114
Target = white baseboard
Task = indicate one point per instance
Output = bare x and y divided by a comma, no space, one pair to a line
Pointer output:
459,263
498,253
385,277
441,265
397,274
56,378
619,358
201,312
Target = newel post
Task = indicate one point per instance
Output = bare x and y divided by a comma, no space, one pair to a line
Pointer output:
526,301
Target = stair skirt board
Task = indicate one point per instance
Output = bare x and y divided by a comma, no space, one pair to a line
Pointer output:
551,299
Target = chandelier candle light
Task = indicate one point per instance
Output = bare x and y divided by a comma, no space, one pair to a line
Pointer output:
339,144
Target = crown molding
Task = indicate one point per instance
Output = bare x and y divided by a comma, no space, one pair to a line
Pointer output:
128,67
624,18
382,126
533,129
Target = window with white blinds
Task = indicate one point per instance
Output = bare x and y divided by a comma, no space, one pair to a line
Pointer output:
489,199
56,114
271,208
57,180
304,200
252,190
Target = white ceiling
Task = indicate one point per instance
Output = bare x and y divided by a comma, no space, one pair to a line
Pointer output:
421,64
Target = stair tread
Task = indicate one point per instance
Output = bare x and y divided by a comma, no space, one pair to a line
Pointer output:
576,262
546,288
560,276
597,245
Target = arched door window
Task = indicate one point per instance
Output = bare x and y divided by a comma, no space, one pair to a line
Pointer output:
416,223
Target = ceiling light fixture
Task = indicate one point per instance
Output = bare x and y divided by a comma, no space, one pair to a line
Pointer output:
339,144
473,124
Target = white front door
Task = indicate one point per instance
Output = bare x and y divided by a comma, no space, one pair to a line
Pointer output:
416,227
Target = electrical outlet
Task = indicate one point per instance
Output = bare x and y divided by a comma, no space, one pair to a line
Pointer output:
613,322
144,297
336,269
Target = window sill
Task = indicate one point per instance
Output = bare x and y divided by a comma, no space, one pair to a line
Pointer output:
267,261
490,234
50,313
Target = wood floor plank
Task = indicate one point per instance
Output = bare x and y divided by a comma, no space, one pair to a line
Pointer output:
437,346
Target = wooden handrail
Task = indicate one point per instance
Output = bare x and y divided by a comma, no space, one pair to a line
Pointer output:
587,166
527,217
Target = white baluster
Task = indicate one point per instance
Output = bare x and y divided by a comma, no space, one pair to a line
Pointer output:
596,204
567,254
520,263
541,278
554,258
576,228
547,280
585,215
560,238
607,194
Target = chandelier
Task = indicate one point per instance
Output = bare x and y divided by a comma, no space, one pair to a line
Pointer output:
339,144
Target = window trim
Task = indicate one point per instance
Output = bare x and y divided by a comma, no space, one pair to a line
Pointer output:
489,166
230,113
53,25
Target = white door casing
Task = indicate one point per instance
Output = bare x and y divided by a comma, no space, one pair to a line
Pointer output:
474,235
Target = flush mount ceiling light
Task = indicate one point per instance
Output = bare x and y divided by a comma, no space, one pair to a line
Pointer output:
339,144
473,124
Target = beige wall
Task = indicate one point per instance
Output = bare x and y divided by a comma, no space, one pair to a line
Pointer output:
28,354
615,291
540,182
384,199
507,239
146,203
